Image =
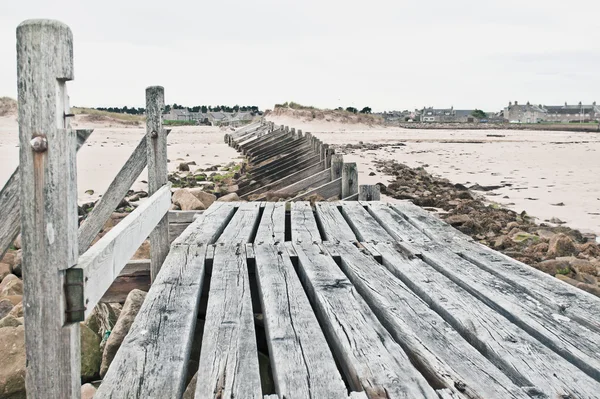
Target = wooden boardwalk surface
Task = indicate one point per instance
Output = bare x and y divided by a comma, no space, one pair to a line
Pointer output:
360,300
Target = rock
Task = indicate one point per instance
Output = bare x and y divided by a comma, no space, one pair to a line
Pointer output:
134,198
583,266
539,249
568,280
523,237
12,370
5,307
102,320
554,267
183,167
372,174
9,257
187,201
88,391
206,198
190,391
11,285
561,245
457,220
592,289
130,309
10,321
17,259
5,270
556,221
18,244
91,355
503,242
545,234
17,311
233,197
590,249
232,189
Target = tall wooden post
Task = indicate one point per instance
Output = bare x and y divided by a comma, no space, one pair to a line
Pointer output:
156,138
369,192
337,162
48,207
349,180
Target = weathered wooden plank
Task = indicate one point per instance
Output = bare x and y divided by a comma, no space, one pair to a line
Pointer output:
451,361
277,147
209,226
103,262
175,230
242,225
115,193
364,225
286,159
302,363
260,140
370,358
349,179
152,361
270,143
48,206
10,212
135,275
327,190
286,180
245,130
275,178
305,227
272,224
526,361
183,216
156,150
369,192
335,227
229,357
315,180
543,314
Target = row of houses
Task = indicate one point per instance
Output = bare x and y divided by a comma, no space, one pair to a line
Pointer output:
568,113
211,118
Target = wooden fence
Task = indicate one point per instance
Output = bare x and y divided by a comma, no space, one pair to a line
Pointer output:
64,277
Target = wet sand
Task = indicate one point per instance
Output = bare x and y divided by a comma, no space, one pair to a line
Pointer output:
542,168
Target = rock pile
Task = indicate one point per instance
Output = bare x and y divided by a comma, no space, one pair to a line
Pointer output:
557,250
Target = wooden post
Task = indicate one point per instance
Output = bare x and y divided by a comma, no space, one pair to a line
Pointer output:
369,192
337,162
48,207
156,146
327,155
349,179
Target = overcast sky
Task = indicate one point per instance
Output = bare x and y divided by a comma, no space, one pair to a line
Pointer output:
394,54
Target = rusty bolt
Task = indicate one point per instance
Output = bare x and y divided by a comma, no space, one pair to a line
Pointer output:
154,134
39,144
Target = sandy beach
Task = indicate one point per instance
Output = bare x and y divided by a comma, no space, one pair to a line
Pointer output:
537,170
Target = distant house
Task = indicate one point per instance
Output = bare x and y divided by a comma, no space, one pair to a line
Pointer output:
178,115
518,113
572,113
210,118
447,115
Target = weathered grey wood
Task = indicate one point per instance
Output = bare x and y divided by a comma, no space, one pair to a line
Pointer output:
253,137
337,163
183,216
250,145
272,224
286,180
278,149
369,192
209,226
250,127
115,193
537,311
269,143
349,179
353,197
229,357
422,333
362,224
48,177
334,225
103,262
315,180
156,149
10,212
175,230
368,355
152,361
283,160
302,363
242,225
327,190
305,227
526,361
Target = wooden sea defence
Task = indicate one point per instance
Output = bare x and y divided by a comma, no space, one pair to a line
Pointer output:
346,299
287,163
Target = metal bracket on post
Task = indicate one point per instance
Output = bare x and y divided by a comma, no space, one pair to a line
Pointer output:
75,307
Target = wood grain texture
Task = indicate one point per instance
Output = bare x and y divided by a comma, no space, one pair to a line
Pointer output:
272,224
10,195
337,163
349,179
242,225
229,356
364,225
315,180
209,226
286,179
369,192
48,207
103,262
183,216
156,151
370,358
304,225
326,191
335,227
115,193
152,361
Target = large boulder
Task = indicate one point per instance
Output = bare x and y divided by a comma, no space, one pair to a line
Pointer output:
187,201
11,285
91,355
132,306
561,245
102,319
10,321
5,307
233,197
206,198
5,270
88,391
554,267
12,365
17,311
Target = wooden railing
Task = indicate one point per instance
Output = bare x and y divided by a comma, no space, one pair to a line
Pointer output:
64,278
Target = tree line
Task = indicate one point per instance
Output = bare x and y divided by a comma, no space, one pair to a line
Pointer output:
198,108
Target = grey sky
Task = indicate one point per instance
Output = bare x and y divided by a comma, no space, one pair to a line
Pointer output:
385,54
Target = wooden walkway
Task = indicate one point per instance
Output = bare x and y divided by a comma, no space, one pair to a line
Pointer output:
360,300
